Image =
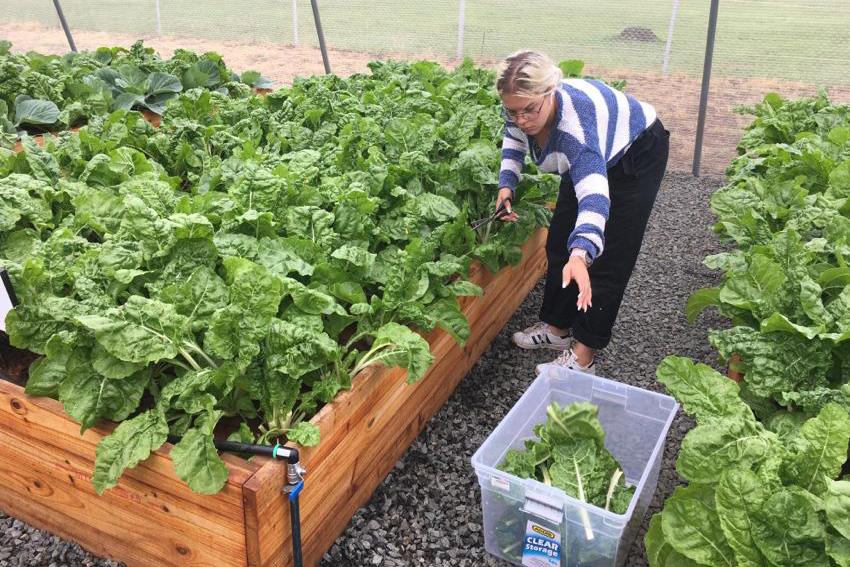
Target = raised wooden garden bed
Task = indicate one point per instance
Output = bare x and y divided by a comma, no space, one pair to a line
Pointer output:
152,518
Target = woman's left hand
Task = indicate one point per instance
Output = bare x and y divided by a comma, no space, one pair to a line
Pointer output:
576,269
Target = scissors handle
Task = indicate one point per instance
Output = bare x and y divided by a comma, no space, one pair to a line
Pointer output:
499,213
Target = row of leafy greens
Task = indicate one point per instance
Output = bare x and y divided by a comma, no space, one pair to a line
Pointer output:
786,209
48,92
759,494
246,259
767,463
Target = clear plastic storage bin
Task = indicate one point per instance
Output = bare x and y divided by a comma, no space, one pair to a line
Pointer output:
562,530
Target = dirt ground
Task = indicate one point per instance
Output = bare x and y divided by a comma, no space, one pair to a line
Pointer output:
676,97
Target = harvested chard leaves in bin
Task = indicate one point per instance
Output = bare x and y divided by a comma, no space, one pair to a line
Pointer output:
571,455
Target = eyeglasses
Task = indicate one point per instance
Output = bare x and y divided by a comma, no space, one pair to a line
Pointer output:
530,114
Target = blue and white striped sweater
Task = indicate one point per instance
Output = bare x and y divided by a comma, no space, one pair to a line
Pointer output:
595,126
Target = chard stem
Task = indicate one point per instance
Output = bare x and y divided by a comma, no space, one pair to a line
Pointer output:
192,362
615,478
585,519
192,345
547,479
365,361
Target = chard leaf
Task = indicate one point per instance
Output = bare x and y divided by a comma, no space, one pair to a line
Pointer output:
47,373
199,297
713,447
305,434
788,532
739,495
89,396
254,299
189,392
779,322
282,257
191,226
462,288
699,300
109,366
130,443
659,552
838,548
31,325
351,292
243,246
519,463
294,351
446,313
433,208
691,525
399,346
100,210
837,504
810,298
701,390
776,362
819,451
142,330
357,256
197,462
21,199
310,300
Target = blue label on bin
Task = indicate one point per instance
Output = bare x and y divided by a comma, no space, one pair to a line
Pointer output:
542,547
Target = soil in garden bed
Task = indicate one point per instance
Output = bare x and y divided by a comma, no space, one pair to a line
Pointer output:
14,362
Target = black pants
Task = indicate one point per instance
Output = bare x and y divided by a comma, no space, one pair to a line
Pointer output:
633,184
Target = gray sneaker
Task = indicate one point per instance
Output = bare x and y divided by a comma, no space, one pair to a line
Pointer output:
567,359
539,336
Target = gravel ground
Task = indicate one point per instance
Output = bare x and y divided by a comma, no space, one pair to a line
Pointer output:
428,509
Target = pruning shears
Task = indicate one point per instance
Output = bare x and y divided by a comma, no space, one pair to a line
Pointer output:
500,212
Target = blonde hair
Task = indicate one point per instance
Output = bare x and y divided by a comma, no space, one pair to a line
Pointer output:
528,74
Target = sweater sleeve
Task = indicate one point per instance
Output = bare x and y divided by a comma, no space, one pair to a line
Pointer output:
514,150
590,178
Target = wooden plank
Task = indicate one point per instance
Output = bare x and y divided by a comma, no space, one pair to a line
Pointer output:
142,525
151,518
373,424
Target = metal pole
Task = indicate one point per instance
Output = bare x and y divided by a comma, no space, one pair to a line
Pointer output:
321,35
461,17
295,22
666,64
65,27
706,78
158,20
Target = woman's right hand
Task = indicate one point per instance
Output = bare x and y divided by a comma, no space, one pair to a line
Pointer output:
506,193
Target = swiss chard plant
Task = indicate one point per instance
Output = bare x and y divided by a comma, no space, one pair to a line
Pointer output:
759,494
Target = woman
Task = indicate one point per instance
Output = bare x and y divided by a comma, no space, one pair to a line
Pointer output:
610,151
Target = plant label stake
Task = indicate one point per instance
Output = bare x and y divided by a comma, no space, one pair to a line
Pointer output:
8,300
